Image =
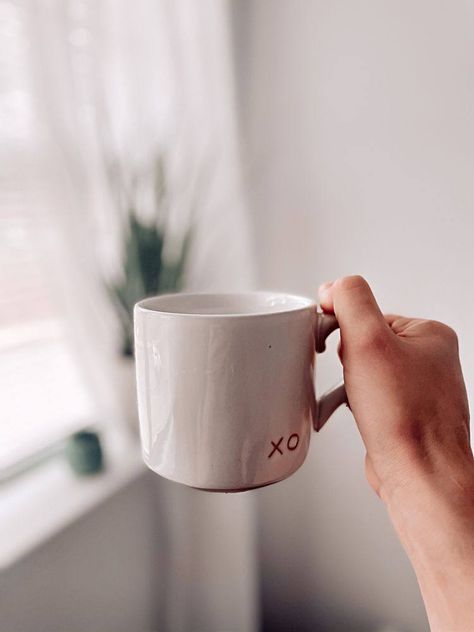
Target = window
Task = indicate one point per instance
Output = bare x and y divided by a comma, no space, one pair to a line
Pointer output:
43,394
84,84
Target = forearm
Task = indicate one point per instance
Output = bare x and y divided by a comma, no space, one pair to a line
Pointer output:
434,518
406,390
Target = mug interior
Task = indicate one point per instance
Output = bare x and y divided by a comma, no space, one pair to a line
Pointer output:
228,304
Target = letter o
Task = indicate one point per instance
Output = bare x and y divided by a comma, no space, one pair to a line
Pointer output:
293,441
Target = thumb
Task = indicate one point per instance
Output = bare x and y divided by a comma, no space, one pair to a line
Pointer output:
355,307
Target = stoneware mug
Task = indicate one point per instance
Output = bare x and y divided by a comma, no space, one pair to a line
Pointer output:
226,386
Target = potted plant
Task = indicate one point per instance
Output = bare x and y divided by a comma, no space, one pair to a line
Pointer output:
145,272
147,266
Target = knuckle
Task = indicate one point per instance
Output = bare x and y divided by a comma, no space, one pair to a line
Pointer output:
441,329
348,283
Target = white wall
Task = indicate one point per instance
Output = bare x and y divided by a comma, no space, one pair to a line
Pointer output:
102,574
358,119
155,556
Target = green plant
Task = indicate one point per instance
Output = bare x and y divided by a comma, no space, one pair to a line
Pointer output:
145,268
145,272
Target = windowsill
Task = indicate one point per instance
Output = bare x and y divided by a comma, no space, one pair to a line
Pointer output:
42,502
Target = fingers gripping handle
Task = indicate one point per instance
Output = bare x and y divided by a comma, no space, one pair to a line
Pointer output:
335,397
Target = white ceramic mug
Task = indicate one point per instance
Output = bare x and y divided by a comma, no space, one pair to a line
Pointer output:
226,386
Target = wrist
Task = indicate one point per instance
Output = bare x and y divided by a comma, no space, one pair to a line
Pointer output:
434,519
430,499
443,480
426,488
426,461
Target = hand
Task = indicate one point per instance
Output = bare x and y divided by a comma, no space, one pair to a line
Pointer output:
404,384
406,391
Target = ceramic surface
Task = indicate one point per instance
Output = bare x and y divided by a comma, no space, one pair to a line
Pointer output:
225,386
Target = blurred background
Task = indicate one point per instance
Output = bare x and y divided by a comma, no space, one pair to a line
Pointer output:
163,145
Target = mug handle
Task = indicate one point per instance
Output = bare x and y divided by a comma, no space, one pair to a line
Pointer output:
336,396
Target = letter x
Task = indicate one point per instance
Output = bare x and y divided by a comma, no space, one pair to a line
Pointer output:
275,447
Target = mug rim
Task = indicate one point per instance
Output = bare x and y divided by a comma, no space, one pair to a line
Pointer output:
305,304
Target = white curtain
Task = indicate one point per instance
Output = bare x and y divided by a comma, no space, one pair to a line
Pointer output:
108,78
127,77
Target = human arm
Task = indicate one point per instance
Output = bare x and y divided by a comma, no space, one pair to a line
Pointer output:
406,391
